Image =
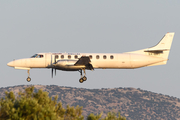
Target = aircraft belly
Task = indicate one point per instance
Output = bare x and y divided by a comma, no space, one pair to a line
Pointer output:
143,60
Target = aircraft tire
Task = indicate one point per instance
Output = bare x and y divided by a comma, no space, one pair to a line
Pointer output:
81,80
28,79
84,78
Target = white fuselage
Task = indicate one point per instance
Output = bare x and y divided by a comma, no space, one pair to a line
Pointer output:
104,61
157,55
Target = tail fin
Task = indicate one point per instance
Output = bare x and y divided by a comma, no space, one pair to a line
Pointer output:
162,49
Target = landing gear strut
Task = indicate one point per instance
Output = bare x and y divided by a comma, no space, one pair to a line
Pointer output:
83,78
28,79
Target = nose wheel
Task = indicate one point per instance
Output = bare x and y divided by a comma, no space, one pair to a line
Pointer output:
28,79
83,78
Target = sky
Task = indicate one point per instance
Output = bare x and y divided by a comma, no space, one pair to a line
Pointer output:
91,26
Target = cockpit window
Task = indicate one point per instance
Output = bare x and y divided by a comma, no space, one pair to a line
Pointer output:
40,56
37,56
34,56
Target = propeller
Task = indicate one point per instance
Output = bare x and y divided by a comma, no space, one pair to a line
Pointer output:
52,72
55,57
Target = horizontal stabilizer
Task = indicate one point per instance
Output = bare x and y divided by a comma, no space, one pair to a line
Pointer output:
160,50
156,51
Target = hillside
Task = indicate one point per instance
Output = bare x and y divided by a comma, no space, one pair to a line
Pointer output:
134,104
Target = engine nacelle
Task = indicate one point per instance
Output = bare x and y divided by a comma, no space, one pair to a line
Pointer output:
67,65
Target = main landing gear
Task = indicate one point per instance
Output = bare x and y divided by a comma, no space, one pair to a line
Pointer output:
83,78
28,79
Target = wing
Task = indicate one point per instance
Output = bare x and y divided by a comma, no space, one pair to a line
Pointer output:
84,60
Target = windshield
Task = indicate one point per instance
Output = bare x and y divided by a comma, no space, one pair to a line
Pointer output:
34,56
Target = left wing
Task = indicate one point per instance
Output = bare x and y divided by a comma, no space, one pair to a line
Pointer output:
85,60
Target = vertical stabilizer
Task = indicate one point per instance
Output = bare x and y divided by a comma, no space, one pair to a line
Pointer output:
165,43
161,50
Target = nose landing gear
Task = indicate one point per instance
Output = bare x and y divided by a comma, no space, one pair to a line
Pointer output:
83,78
28,79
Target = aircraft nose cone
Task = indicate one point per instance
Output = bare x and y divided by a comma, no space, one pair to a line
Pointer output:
11,64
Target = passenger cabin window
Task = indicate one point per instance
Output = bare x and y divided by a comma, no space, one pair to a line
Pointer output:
69,56
40,56
90,56
62,56
104,57
97,56
111,57
56,56
76,57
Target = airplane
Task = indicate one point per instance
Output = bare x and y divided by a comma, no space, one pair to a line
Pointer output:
157,55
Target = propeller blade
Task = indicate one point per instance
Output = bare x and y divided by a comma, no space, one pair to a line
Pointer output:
54,66
52,72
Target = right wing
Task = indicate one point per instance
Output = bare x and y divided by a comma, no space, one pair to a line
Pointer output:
85,60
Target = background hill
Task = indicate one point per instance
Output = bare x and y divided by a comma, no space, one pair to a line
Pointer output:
134,104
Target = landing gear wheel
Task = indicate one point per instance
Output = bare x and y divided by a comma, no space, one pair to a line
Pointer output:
84,78
28,79
81,80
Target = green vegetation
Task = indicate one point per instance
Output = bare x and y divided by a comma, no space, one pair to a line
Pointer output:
110,116
29,105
